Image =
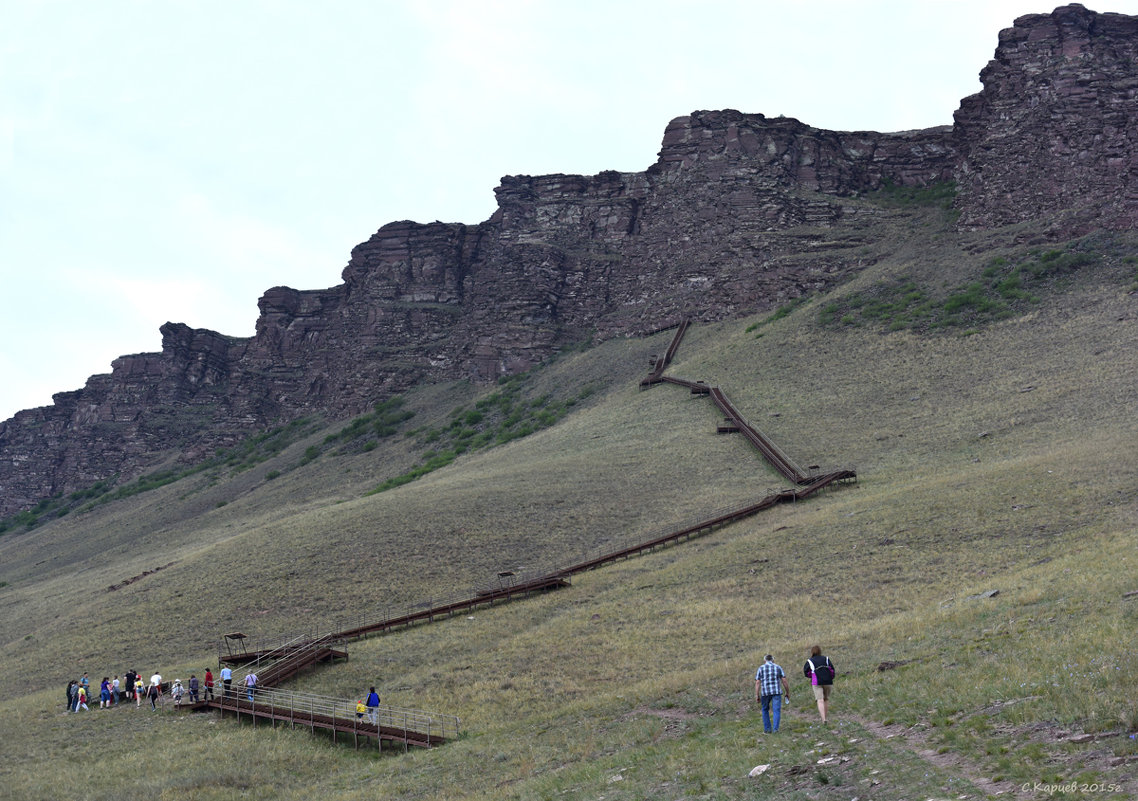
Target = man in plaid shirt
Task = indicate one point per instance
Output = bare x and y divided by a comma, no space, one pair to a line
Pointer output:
770,684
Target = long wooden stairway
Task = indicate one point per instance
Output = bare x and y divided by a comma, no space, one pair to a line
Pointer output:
281,661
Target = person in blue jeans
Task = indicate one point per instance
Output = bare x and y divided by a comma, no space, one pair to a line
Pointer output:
770,684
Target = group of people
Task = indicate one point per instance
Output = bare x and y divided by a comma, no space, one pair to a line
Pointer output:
227,683
114,691
132,686
771,684
368,706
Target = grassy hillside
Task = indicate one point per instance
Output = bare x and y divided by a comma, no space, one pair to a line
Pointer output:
994,440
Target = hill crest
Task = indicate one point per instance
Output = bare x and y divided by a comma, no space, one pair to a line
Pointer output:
740,213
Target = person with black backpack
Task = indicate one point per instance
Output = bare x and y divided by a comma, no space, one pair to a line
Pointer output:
820,670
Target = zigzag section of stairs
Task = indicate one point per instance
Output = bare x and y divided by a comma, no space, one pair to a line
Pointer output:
806,484
288,660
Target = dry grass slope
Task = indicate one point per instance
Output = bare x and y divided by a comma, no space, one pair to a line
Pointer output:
997,459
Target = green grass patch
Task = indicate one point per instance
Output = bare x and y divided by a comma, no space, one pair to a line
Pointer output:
940,194
1005,288
253,450
778,314
504,415
385,420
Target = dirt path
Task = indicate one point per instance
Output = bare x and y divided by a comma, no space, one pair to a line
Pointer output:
917,743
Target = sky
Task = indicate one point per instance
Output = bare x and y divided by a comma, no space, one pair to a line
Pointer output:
170,161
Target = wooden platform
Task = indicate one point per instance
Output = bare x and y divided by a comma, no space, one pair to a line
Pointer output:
337,718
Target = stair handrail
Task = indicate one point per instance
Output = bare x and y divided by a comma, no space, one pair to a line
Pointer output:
433,725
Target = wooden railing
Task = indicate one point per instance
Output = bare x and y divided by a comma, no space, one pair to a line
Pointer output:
393,724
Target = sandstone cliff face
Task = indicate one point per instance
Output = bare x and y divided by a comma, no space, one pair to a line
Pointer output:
1053,131
712,229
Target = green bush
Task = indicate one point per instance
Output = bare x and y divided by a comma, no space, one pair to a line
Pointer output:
941,194
496,419
1007,286
777,314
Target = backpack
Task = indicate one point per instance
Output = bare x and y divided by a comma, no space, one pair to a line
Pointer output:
824,672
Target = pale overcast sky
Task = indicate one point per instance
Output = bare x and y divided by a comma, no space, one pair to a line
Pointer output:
171,160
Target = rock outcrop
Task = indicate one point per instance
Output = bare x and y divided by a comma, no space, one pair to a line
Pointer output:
1053,131
713,229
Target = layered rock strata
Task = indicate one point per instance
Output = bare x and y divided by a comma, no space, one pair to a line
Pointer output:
724,223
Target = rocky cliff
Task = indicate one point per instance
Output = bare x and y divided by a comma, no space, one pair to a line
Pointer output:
716,227
1053,131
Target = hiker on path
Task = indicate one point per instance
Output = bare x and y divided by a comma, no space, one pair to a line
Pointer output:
105,693
116,691
821,671
72,686
81,698
128,683
154,690
85,683
177,691
250,684
770,684
195,688
372,705
208,681
226,679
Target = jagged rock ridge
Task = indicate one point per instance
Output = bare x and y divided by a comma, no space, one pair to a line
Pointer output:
709,230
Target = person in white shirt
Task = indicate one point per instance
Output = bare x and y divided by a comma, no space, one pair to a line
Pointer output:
154,691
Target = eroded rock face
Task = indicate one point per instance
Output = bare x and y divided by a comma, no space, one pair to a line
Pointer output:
1053,131
725,222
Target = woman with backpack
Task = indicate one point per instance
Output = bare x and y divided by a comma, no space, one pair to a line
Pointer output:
154,691
820,670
